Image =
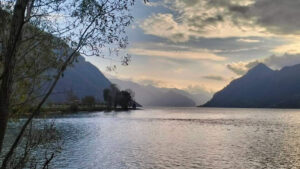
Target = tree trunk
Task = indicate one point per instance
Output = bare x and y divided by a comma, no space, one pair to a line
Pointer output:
3,123
9,57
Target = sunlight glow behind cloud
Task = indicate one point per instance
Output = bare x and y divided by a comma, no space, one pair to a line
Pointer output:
193,55
208,43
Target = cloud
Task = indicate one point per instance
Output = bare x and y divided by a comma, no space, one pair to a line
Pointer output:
278,62
164,25
209,19
224,18
240,68
274,61
277,16
196,89
151,82
214,77
248,40
292,47
190,55
237,68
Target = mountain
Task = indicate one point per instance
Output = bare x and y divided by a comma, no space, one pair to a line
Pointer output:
261,87
84,79
148,95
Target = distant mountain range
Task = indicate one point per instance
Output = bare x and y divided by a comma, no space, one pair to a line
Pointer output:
261,87
83,79
148,95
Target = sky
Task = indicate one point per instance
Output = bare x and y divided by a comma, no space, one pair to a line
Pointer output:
205,44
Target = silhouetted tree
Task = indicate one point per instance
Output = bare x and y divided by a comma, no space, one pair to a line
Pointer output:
110,96
114,92
113,97
124,99
107,97
132,94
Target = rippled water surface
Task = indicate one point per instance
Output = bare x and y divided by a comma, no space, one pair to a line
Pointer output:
181,138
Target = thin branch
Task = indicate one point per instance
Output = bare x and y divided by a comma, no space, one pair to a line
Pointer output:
37,109
48,160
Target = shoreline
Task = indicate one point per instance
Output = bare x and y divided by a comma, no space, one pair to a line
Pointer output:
52,112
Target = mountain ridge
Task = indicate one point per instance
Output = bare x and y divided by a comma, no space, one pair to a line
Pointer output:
261,87
83,79
152,96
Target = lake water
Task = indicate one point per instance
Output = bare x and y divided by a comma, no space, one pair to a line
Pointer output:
181,138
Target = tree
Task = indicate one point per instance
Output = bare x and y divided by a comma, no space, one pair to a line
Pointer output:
39,39
107,97
124,99
114,92
89,101
131,92
110,95
114,97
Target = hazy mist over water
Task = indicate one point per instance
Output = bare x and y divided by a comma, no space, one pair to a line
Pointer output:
181,138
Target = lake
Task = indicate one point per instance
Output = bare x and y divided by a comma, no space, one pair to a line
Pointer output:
181,138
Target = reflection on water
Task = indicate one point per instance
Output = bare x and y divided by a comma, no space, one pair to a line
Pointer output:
181,138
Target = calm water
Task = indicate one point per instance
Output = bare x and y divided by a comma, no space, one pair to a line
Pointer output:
181,138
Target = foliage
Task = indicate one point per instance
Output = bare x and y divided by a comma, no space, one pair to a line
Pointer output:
114,97
41,143
107,98
124,99
39,39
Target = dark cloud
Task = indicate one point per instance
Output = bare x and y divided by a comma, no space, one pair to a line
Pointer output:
214,77
191,2
278,16
212,20
239,9
219,3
